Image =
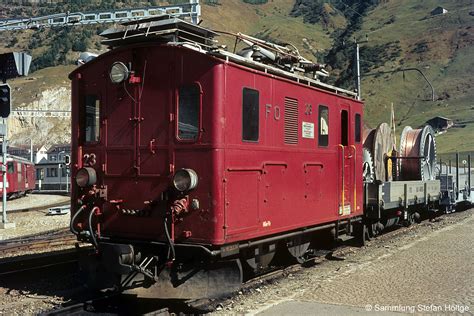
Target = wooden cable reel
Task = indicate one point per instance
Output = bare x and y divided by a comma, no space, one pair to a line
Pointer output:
379,143
419,145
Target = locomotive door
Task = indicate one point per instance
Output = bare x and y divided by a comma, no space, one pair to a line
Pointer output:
346,163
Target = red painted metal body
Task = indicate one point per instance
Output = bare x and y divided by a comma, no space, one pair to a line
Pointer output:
247,189
20,176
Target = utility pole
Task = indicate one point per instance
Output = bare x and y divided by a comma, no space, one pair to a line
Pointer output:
5,107
5,224
31,150
357,57
12,65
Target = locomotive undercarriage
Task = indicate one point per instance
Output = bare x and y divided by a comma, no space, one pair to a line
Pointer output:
143,267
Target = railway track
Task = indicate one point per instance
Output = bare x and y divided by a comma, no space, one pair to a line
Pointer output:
118,304
33,252
48,239
38,208
113,304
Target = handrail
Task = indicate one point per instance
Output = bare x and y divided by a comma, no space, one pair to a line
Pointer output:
355,179
341,209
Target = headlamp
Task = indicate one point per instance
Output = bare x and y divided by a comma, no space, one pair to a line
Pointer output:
86,177
118,72
185,180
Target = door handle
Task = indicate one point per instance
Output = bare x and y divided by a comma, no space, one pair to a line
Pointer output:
151,146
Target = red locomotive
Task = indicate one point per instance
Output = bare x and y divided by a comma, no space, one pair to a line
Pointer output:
189,160
20,177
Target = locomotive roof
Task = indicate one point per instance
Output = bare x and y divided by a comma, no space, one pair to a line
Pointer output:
282,61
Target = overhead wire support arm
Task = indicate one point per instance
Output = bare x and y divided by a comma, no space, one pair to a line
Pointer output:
403,70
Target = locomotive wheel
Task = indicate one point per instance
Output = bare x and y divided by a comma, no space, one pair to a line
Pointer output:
297,247
362,234
259,258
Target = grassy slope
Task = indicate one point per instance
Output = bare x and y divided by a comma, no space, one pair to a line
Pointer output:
25,89
271,19
448,63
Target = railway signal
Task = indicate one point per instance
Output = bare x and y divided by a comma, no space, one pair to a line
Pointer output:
5,100
67,160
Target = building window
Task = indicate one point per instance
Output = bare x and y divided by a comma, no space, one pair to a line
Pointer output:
188,112
92,117
52,173
323,128
357,128
250,115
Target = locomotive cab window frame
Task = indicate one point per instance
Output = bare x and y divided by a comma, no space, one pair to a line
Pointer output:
91,118
189,113
323,126
250,115
357,132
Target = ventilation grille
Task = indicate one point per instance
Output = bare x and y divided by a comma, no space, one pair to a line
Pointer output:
291,121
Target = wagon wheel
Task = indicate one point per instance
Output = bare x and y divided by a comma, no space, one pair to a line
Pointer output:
259,258
373,230
297,247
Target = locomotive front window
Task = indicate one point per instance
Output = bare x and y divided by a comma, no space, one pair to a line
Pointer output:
188,112
323,134
92,117
250,115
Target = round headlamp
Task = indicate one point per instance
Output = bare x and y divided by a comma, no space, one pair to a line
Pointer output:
118,72
86,177
185,180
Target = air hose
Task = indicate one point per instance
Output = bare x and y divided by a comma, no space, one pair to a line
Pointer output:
73,220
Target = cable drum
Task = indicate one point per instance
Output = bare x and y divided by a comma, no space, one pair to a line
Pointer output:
368,138
420,145
379,144
382,147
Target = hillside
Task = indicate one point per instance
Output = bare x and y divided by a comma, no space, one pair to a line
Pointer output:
401,34
443,48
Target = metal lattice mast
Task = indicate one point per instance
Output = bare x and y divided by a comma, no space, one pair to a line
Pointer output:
191,10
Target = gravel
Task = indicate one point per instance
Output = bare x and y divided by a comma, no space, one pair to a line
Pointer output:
33,222
425,265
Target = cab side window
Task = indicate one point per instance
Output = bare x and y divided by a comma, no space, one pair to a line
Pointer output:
357,132
250,115
10,167
323,128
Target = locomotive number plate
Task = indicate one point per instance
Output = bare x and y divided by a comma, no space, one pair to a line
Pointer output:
89,160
